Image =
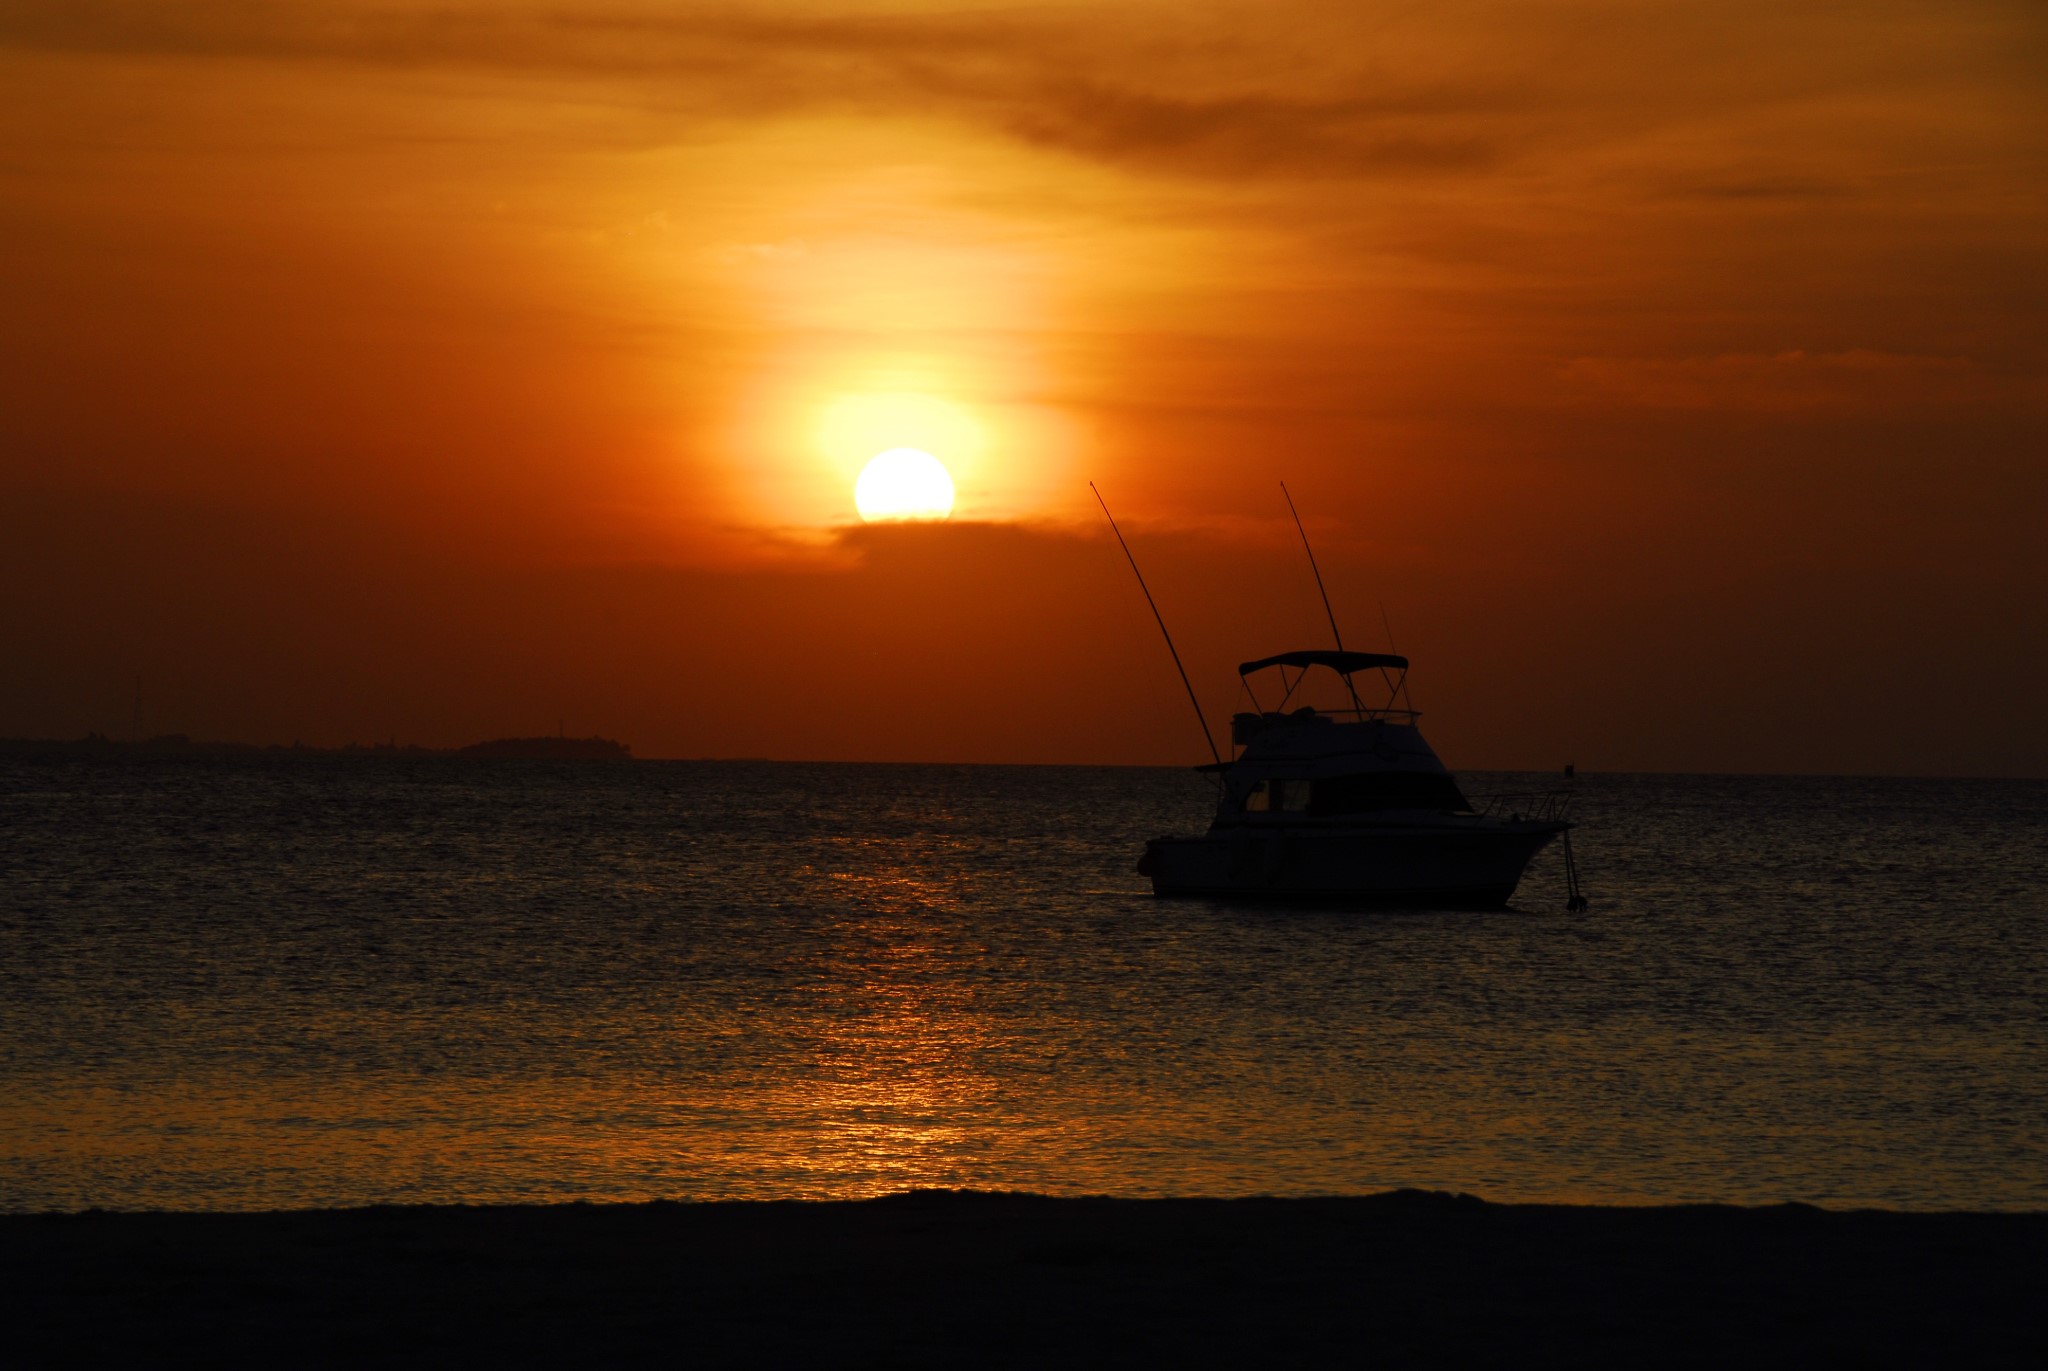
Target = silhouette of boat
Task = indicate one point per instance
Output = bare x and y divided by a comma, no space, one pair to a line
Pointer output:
1350,803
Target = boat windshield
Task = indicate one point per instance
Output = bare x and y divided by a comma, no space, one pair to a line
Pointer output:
1272,797
1359,794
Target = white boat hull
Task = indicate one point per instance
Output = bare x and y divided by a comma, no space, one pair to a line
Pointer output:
1449,863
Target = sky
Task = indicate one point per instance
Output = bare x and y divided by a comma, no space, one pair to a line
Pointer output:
1668,381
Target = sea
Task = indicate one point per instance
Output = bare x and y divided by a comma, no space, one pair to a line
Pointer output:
331,981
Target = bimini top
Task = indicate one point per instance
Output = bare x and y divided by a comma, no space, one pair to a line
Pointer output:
1343,663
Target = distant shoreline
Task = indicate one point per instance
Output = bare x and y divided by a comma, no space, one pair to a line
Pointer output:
95,746
946,1278
178,746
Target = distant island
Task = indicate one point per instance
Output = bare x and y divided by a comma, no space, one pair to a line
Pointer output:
174,745
551,749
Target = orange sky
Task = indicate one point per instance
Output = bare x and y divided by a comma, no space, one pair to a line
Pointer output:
1673,373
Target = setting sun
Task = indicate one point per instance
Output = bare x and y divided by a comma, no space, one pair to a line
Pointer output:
903,483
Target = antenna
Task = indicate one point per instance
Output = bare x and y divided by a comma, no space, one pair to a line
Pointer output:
1207,736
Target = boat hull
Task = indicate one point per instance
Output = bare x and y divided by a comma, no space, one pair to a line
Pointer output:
1456,865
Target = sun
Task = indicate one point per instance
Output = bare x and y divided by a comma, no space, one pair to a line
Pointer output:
903,483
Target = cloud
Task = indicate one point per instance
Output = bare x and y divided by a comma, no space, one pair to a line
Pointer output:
1245,134
1291,89
1089,87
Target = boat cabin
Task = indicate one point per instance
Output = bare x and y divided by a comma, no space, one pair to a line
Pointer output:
1342,757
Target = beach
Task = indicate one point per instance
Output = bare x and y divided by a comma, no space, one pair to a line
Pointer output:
955,1278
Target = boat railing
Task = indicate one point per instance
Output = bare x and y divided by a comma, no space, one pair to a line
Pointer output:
1309,713
1548,806
1245,727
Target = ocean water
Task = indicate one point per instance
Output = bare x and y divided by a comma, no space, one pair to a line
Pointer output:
336,982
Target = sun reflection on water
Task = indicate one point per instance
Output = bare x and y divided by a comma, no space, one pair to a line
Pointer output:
895,1072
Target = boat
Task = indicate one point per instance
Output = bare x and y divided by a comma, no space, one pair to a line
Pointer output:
1351,804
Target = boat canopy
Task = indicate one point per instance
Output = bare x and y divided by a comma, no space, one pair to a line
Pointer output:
1343,663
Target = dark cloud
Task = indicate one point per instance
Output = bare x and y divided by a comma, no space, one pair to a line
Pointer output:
1242,135
1283,90
1037,78
987,642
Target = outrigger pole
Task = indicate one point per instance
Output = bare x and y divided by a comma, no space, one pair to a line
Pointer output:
1207,736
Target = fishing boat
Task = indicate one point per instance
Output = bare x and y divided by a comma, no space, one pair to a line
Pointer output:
1350,803
1346,802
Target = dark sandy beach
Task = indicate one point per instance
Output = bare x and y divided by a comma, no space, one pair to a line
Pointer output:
978,1279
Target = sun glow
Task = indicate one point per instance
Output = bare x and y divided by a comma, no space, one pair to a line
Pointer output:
808,429
903,483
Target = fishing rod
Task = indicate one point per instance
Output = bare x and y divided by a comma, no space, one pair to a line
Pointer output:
1388,624
1323,591
1207,736
1320,588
